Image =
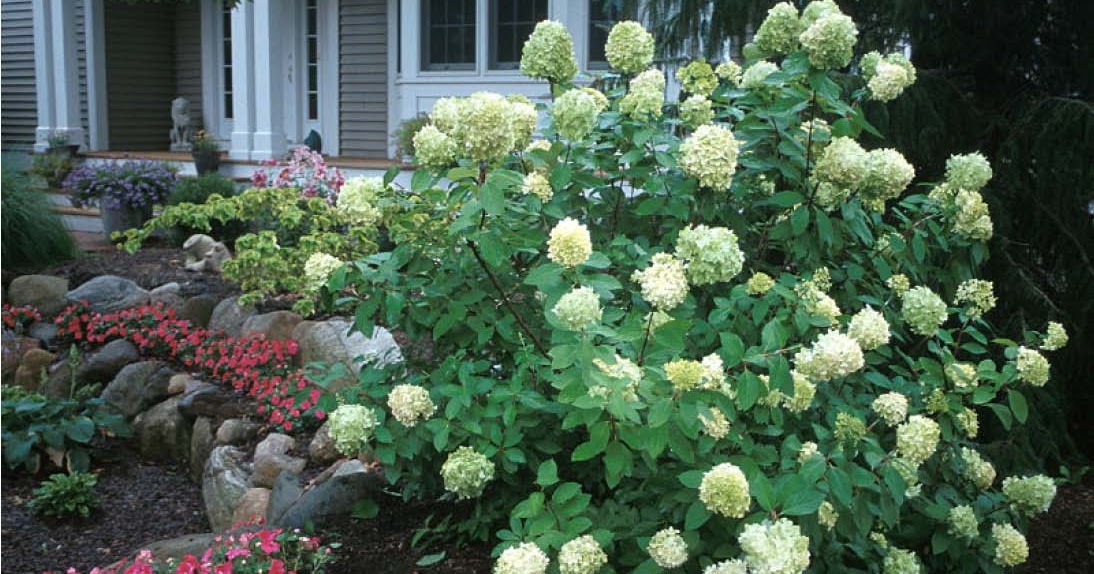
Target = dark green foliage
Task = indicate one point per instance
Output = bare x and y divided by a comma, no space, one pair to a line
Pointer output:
197,190
404,136
52,167
66,495
33,236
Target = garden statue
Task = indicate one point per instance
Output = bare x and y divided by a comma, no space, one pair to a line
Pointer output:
203,253
180,129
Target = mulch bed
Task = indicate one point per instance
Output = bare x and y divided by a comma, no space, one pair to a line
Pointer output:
1061,541
140,503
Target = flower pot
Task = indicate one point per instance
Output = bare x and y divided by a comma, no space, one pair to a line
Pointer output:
123,218
207,161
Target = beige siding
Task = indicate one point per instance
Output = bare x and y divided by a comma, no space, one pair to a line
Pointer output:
18,110
363,77
140,74
188,57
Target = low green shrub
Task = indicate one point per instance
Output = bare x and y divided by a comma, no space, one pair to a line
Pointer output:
65,495
198,190
32,234
52,167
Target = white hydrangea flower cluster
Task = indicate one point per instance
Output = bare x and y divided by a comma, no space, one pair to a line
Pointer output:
849,428
664,283
753,77
900,561
899,283
578,309
759,283
484,127
869,328
917,439
684,374
969,422
891,408
977,470
832,355
808,450
963,523
978,294
645,96
582,555
1031,495
629,48
909,471
1011,548
778,34
433,148
774,547
410,404
1055,337
466,472
971,218
709,154
962,375
923,310
351,427
842,164
575,114
548,53
538,145
1032,366
830,40
968,171
358,198
623,369
318,268
844,167
717,425
724,491
887,176
887,77
524,558
569,244
667,548
697,78
827,515
818,9
711,254
525,120
729,71
538,185
727,567
804,391
696,111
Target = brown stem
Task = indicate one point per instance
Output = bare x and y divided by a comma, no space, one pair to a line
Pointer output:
505,299
646,340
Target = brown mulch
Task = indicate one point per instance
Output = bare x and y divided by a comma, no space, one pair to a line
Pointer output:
139,503
1061,541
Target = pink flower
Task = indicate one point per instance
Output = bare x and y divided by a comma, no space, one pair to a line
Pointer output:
268,540
277,567
237,552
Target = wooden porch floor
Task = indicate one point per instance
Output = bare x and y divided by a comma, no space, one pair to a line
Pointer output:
347,162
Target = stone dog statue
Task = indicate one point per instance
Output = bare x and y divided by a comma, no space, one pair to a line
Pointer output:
180,130
203,253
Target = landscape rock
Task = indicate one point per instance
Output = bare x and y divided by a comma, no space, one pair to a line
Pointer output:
45,292
330,342
107,293
274,443
31,368
44,331
209,400
201,444
179,384
168,294
286,491
137,387
269,467
321,449
13,350
106,363
237,431
336,496
275,326
225,480
228,316
178,548
197,310
252,506
163,433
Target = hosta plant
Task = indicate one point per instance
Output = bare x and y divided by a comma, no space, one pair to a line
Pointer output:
750,345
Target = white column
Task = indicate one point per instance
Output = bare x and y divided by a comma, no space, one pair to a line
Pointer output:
269,58
243,101
95,41
43,72
66,79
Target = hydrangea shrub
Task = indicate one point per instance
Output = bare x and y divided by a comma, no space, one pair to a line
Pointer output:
746,345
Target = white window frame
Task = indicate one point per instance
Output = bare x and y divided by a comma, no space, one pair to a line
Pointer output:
212,70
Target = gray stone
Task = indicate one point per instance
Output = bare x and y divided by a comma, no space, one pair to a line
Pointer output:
178,548
277,325
163,433
201,444
225,480
13,350
180,383
208,400
45,292
322,449
197,310
286,491
252,506
44,331
336,496
237,431
107,293
137,387
105,364
167,294
331,342
34,365
274,443
269,467
228,316
58,382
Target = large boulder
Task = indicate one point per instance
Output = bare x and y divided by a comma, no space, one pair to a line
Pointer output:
44,331
163,433
45,292
105,364
237,432
14,348
277,325
321,449
286,491
269,467
274,443
178,548
351,482
202,442
107,293
252,506
228,316
168,294
137,387
225,480
197,310
331,342
209,400
32,368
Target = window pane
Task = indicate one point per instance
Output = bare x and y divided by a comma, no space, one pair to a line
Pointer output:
448,34
603,15
511,22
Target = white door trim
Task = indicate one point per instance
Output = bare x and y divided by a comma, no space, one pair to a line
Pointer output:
329,100
95,43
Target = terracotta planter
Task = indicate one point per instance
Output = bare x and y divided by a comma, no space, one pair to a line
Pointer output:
206,161
121,219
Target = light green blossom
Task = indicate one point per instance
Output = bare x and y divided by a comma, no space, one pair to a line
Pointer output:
351,427
917,439
977,470
410,404
899,561
485,127
684,374
760,283
968,171
830,40
466,472
667,548
724,491
433,148
1011,548
1055,337
754,76
887,176
697,78
843,163
899,283
717,425
318,269
579,309
711,254
582,555
1032,366
971,216
978,294
727,567
575,114
359,198
709,154
538,185
696,111
774,547
969,422
804,392
849,428
549,53
1031,495
923,310
963,523
778,34
645,96
869,328
569,244
807,451
962,375
524,558
827,515
729,71
629,48
891,408
832,355
664,283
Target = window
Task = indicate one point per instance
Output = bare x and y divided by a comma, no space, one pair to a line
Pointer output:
603,14
311,43
511,22
448,34
226,59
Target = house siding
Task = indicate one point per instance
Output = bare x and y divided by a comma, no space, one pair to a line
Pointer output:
188,58
19,109
363,78
140,74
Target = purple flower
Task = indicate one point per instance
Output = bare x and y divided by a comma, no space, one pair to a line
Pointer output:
130,184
